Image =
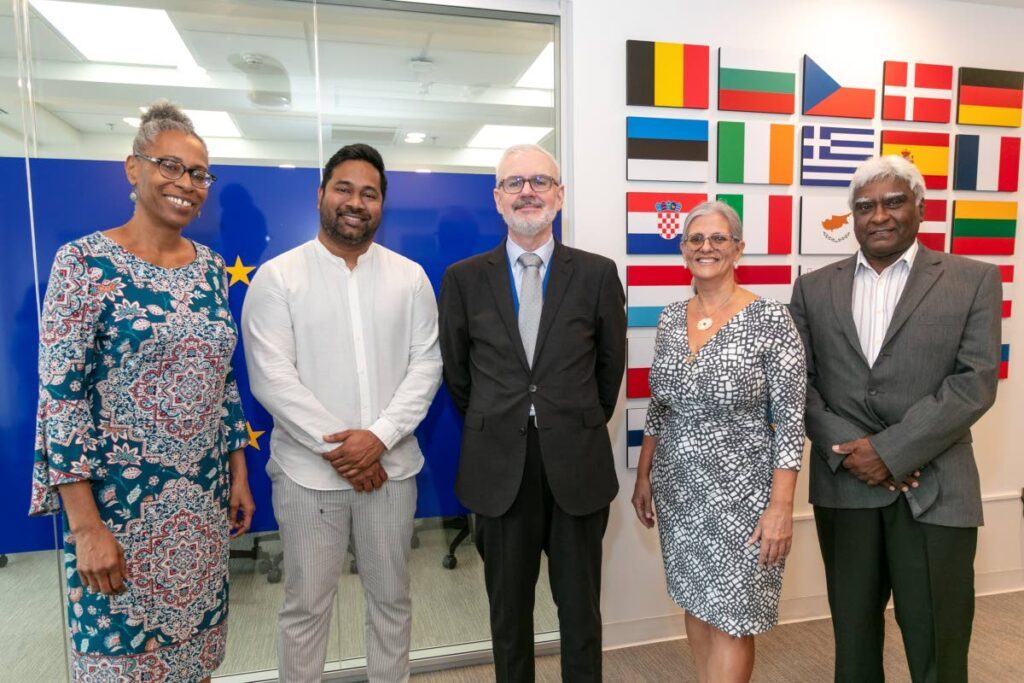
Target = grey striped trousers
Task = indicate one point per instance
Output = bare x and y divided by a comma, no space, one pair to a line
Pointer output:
315,528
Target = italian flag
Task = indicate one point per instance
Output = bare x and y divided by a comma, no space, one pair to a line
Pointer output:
767,221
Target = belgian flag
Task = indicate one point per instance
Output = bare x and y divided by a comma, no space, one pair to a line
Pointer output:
666,74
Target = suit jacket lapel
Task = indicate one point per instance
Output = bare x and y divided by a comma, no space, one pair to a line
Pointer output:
927,268
561,273
501,288
842,303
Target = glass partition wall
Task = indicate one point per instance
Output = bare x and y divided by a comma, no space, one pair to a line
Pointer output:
274,87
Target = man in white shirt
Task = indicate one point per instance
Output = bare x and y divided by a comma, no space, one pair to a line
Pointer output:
902,358
341,346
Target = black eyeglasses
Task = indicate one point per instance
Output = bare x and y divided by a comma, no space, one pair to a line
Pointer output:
514,184
172,169
697,239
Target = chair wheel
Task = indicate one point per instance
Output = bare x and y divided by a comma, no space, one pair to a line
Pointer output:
274,575
449,562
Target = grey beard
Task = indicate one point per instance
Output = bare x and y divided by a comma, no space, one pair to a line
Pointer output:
525,227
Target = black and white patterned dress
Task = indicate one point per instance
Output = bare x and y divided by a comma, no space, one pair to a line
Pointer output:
724,421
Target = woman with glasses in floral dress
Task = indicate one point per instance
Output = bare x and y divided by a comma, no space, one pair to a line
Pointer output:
721,449
140,431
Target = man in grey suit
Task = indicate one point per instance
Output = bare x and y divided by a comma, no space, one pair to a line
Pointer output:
902,358
533,337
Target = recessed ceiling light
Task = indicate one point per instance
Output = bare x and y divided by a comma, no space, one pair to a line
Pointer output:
541,73
415,138
121,35
500,137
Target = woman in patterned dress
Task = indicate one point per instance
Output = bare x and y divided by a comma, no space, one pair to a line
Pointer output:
722,446
140,430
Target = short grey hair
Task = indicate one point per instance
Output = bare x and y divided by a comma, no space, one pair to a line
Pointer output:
161,116
712,207
518,149
890,167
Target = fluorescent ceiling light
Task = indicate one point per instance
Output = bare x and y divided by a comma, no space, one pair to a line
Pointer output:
286,165
422,170
541,73
121,35
212,124
500,137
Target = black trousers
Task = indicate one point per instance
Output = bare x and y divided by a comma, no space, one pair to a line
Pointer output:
928,569
511,546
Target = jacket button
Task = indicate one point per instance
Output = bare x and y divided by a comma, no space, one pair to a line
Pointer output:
522,430
533,388
873,392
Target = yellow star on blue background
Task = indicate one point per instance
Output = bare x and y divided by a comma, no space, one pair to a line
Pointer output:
239,273
254,436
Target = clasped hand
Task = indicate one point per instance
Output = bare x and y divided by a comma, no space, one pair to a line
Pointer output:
863,462
357,458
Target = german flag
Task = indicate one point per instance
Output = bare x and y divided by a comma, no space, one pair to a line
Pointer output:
984,228
989,97
666,74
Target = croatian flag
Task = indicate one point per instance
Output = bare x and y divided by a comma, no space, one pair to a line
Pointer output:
654,220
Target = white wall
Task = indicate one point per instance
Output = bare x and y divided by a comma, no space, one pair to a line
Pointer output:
865,33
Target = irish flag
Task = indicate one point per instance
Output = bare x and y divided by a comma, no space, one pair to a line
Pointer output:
984,228
639,356
654,220
767,221
649,289
750,80
755,152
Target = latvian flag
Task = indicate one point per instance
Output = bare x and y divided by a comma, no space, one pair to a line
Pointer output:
666,149
988,161
934,227
1006,274
1004,362
639,356
649,289
928,151
767,221
654,220
636,418
829,154
983,228
917,92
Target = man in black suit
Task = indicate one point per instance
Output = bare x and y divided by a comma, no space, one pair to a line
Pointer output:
533,337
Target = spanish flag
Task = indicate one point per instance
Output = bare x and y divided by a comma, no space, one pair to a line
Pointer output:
989,97
666,74
928,151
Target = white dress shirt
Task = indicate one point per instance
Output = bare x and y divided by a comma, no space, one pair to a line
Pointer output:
875,296
330,349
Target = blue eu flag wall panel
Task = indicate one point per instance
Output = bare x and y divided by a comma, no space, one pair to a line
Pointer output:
252,214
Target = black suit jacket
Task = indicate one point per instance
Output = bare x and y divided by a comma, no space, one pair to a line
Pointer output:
574,383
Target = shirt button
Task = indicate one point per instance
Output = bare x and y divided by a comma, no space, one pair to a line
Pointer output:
533,388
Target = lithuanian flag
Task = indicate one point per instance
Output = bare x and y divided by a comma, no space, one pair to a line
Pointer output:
989,97
984,228
666,74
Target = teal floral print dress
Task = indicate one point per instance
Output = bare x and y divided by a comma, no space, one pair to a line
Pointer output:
138,398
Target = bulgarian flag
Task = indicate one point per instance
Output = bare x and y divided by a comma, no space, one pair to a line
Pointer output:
767,221
984,228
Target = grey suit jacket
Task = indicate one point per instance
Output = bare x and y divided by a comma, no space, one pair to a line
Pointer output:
935,375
